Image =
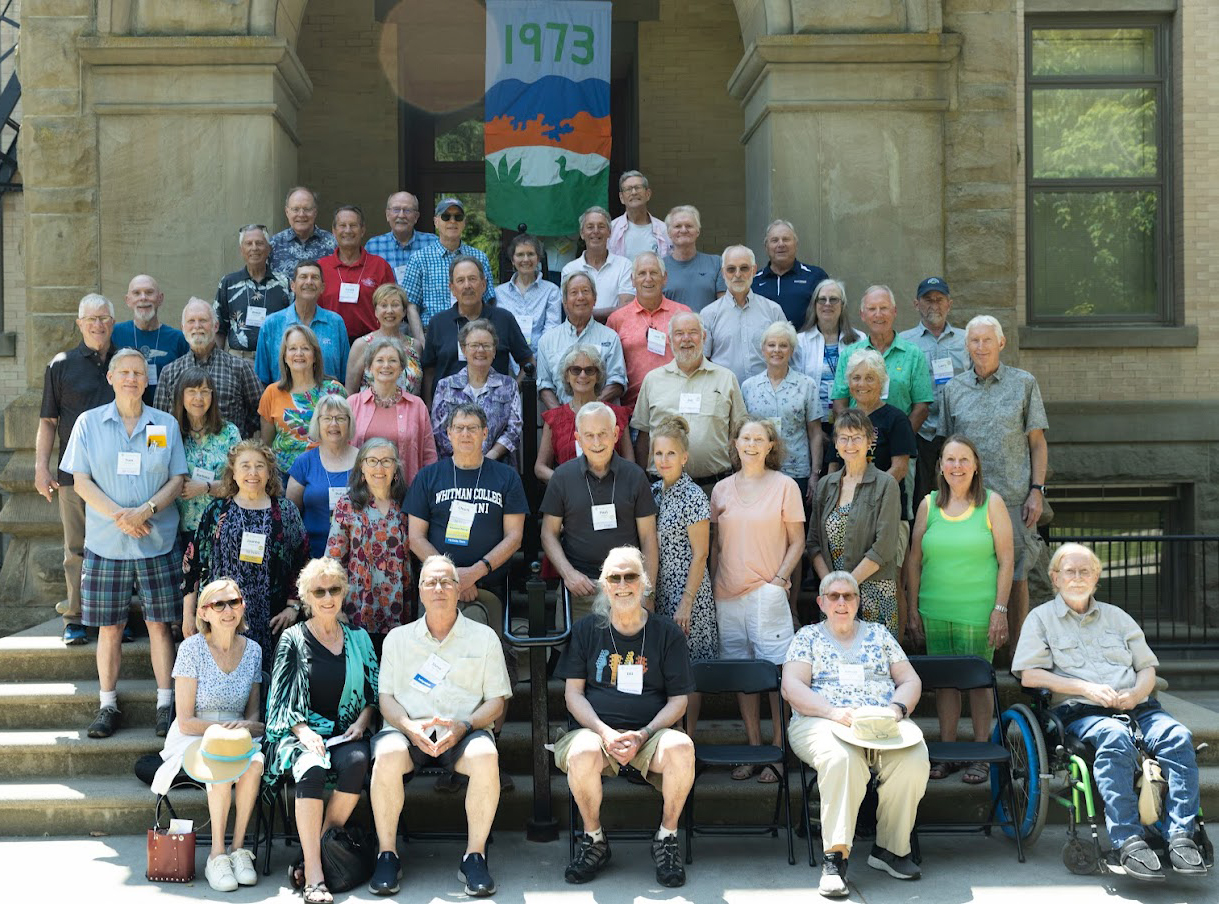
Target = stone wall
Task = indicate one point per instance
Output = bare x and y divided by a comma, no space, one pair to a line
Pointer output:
12,370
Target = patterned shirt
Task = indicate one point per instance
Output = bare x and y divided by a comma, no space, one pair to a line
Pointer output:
792,406
374,549
396,254
234,296
874,648
291,413
554,345
211,454
237,390
909,378
426,279
501,401
287,249
998,413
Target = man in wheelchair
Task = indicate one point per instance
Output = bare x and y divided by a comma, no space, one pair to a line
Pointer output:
1095,661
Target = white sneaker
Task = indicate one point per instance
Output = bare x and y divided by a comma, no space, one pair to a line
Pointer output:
243,867
219,873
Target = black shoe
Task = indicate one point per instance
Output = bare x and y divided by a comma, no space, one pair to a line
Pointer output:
895,866
1185,856
387,875
833,875
591,858
164,717
477,877
106,722
450,783
1139,860
669,870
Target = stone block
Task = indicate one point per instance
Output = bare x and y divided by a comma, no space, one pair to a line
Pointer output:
1133,462
48,57
61,249
991,42
58,8
981,148
48,335
953,9
811,16
58,151
197,17
980,244
996,297
20,425
51,101
985,97
980,196
60,200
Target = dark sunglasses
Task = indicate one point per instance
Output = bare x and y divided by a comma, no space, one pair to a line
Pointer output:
221,605
452,216
629,578
321,592
575,370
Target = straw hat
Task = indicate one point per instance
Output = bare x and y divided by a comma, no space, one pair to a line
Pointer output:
877,728
221,755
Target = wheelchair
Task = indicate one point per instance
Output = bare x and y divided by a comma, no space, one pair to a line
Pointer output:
1050,764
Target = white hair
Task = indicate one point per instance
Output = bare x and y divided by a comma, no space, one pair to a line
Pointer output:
688,210
984,320
590,409
196,300
664,271
94,300
126,353
744,249
876,290
774,223
244,230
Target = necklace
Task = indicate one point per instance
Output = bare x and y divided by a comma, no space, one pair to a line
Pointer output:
387,401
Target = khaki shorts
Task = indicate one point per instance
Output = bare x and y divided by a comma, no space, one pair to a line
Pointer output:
641,760
1024,545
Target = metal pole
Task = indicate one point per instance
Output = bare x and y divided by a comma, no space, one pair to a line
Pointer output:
542,826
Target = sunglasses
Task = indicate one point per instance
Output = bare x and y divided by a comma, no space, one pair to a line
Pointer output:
452,216
322,592
847,597
630,577
221,605
576,371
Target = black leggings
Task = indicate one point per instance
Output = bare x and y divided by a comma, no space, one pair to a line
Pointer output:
349,766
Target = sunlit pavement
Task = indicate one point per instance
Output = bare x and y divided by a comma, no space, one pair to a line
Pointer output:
733,871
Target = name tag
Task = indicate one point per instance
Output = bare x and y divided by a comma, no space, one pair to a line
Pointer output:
430,674
255,315
203,475
461,520
630,679
884,393
461,352
605,517
156,437
129,464
941,370
349,292
152,374
400,273
579,450
690,403
850,674
525,322
336,493
253,547
656,341
778,424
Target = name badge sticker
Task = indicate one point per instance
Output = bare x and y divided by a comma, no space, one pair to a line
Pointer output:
630,679
941,370
253,547
255,315
349,292
461,520
690,403
605,517
850,674
656,341
203,475
336,493
129,464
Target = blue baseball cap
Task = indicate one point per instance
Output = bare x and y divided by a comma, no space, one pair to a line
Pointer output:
446,203
932,284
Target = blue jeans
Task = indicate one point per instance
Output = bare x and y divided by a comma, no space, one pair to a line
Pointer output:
1117,761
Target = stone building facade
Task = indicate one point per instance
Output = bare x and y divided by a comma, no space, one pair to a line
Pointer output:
892,133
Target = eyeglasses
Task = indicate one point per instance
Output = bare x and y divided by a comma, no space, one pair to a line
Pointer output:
452,216
197,391
403,209
845,597
480,347
630,577
829,301
1072,573
381,462
576,371
296,210
97,320
322,592
221,605
632,189
850,439
437,583
466,428
334,419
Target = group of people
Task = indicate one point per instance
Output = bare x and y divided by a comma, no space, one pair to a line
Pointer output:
713,436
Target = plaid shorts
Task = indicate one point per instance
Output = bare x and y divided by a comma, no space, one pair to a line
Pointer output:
947,638
107,586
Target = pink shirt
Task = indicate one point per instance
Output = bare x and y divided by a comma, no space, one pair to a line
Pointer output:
406,425
631,322
753,537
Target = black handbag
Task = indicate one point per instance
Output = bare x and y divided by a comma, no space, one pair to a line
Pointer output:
348,857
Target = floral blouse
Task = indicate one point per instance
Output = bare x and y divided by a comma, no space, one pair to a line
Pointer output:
501,402
874,648
211,453
374,549
411,377
291,414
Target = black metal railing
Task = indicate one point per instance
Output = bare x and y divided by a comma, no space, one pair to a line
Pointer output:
1168,583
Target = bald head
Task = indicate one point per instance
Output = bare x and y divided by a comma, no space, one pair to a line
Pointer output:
145,298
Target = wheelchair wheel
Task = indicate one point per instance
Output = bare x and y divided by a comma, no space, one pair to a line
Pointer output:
1079,858
1029,762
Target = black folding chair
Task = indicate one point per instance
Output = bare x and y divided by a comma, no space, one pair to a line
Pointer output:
741,676
966,673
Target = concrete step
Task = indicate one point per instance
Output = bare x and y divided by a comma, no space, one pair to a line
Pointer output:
70,752
55,704
39,654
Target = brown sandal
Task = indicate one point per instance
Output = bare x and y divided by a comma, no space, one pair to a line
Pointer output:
943,769
976,774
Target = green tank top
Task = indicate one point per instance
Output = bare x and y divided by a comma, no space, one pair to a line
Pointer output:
960,571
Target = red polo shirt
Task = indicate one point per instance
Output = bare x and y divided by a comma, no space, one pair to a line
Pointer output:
631,322
368,273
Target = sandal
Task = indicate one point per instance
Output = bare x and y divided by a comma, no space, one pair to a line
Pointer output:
317,894
296,874
744,773
943,769
771,774
976,774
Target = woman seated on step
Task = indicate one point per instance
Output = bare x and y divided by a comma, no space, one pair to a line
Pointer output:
216,682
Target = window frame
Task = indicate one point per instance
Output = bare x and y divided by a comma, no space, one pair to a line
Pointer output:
1167,313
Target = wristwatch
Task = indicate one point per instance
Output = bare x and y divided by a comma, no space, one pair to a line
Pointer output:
1039,487
1001,609
468,724
901,706
152,505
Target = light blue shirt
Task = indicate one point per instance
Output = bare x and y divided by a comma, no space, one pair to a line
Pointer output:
539,307
794,404
98,438
555,343
331,335
426,278
950,346
397,254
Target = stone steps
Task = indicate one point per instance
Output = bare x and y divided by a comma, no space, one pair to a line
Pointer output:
39,654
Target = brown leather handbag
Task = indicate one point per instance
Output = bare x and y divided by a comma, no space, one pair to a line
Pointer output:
171,858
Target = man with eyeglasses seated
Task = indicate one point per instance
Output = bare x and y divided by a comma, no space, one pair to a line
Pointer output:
246,297
442,685
1095,661
628,679
594,503
427,274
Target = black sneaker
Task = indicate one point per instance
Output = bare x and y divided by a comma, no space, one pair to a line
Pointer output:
477,877
1185,856
833,875
669,870
591,858
895,866
163,719
387,875
106,722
